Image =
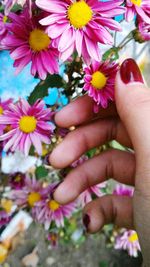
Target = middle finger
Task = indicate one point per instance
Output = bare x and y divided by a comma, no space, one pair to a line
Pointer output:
86,137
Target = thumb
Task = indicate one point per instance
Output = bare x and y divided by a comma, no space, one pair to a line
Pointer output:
133,105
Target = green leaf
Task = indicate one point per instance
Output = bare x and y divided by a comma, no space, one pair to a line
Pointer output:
103,264
41,172
41,90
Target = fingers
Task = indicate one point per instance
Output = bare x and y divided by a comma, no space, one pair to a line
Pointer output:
108,209
86,137
113,163
81,111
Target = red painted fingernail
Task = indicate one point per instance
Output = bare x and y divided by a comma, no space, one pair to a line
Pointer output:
86,221
130,72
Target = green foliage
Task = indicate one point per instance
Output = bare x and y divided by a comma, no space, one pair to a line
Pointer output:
112,54
41,90
103,264
41,172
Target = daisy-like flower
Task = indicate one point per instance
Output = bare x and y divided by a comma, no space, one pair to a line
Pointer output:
4,106
100,82
137,7
128,241
28,42
123,190
80,25
48,210
17,180
29,126
29,194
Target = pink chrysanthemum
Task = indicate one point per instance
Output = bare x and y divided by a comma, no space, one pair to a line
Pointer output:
128,241
137,7
144,31
29,126
29,194
4,106
28,42
48,210
80,25
17,180
100,82
123,190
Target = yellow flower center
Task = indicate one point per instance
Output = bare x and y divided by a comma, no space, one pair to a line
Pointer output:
3,253
33,198
7,205
5,19
27,124
53,205
98,80
18,178
1,110
38,40
137,2
133,238
79,14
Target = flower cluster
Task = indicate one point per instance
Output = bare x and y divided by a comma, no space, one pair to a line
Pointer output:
44,209
25,125
45,32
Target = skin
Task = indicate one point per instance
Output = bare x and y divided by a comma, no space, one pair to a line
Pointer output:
128,123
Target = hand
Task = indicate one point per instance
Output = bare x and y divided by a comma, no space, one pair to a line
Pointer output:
129,123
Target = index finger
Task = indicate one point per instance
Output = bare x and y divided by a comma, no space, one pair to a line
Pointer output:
81,111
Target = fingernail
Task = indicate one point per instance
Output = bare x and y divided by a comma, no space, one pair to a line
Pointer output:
130,72
86,221
54,189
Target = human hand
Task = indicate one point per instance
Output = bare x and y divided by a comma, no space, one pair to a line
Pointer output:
128,123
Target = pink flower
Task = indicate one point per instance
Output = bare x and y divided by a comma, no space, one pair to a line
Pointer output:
80,25
86,196
48,210
29,194
4,106
137,7
28,42
123,190
17,180
144,31
100,81
128,241
29,126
